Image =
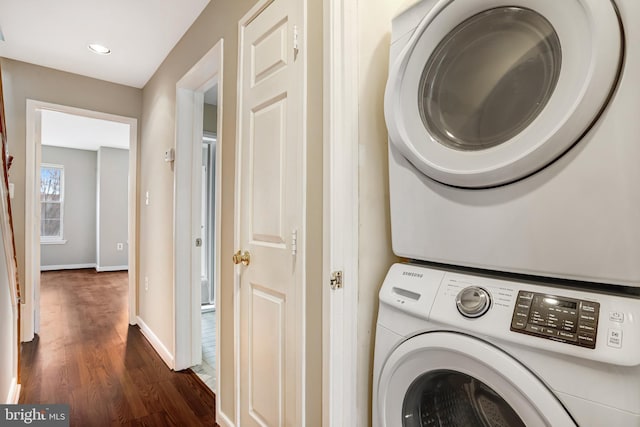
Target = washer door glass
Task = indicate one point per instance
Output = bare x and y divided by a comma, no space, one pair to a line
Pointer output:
454,399
490,78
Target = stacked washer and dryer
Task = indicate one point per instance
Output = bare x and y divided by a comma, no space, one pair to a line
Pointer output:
514,170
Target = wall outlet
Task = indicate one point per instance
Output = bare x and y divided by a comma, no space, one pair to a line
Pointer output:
146,283
119,246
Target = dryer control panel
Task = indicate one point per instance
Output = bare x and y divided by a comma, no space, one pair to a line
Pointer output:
568,320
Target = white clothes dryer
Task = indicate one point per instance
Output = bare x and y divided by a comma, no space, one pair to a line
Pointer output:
514,129
460,350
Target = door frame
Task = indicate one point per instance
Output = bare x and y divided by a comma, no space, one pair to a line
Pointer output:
190,91
340,213
31,315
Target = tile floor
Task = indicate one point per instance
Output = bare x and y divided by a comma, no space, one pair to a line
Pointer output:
207,370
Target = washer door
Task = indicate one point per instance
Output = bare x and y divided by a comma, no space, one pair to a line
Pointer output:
446,378
488,92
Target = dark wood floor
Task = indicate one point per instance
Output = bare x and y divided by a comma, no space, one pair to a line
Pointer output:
88,356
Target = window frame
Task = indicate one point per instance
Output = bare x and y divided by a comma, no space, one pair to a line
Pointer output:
53,240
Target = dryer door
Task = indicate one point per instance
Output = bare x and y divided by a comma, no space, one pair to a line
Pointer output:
446,378
488,92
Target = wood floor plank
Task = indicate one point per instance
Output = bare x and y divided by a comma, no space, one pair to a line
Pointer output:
88,356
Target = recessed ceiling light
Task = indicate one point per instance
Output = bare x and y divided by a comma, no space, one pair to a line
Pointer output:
99,49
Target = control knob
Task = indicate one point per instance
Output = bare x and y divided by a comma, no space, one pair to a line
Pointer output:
473,301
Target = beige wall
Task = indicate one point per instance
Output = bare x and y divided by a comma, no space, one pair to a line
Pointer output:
314,214
219,20
24,81
375,255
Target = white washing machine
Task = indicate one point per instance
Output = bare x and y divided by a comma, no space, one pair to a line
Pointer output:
460,350
514,130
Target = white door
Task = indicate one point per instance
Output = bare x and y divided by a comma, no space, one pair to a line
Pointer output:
270,179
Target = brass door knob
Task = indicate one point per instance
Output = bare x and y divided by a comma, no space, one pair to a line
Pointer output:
242,258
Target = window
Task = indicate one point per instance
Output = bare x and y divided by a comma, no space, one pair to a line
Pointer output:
51,202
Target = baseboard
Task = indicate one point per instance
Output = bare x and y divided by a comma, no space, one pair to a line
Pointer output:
14,393
157,345
221,418
112,268
66,267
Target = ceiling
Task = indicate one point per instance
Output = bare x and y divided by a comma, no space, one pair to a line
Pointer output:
55,34
71,131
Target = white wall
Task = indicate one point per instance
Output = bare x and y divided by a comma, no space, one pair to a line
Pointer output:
375,255
112,209
79,218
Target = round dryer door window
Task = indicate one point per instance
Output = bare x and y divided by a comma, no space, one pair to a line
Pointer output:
451,379
486,93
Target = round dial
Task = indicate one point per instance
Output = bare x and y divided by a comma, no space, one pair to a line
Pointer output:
473,301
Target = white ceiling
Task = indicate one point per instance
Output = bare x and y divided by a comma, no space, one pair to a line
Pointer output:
55,34
71,131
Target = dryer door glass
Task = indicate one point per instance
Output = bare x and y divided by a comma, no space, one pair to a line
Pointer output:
453,399
489,78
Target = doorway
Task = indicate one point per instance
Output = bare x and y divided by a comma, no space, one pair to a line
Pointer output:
206,370
197,202
35,111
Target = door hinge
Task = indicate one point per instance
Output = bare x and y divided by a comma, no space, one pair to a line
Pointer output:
336,280
294,242
296,43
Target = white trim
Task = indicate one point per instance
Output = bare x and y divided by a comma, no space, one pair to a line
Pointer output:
112,268
190,91
221,418
53,242
66,267
155,342
301,300
217,243
236,232
31,287
340,208
14,393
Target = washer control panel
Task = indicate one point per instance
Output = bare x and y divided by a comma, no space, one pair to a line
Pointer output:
568,320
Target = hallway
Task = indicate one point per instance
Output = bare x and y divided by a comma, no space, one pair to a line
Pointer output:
86,355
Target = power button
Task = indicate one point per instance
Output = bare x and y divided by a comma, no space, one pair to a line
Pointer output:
616,316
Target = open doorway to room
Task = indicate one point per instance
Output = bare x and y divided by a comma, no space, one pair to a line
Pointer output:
197,228
83,209
80,198
206,370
